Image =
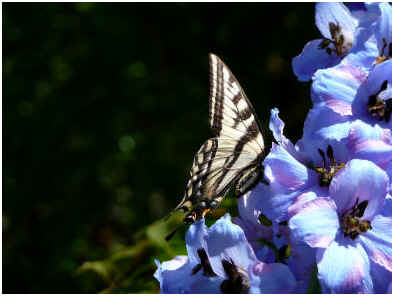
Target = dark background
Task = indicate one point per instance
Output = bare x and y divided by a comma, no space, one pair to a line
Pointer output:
104,106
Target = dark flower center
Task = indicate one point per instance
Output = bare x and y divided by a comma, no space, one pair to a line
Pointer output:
238,280
379,107
205,265
328,171
351,223
340,43
382,55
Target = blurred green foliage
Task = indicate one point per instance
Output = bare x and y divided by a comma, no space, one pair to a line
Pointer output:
104,106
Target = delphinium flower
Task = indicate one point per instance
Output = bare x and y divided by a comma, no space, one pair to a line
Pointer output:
327,199
339,29
344,94
296,178
347,92
220,260
292,172
352,236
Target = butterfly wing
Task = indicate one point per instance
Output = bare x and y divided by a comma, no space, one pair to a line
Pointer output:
238,145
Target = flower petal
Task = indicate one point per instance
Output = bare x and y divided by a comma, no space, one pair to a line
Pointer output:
227,241
359,180
344,267
384,30
276,126
372,86
337,87
378,75
316,223
171,275
378,241
364,52
333,12
270,278
195,240
311,59
254,231
282,168
371,143
381,278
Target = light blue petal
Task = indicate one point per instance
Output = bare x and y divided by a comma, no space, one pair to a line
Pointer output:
378,241
276,126
371,143
301,263
384,27
378,75
316,223
171,275
344,267
362,180
337,87
302,199
324,127
367,16
387,210
282,168
372,86
227,241
195,240
254,231
272,201
249,203
333,12
311,59
270,278
205,285
176,277
364,52
381,278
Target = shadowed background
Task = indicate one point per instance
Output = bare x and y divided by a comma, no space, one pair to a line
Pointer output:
104,106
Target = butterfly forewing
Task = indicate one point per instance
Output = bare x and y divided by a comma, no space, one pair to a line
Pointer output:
237,148
230,112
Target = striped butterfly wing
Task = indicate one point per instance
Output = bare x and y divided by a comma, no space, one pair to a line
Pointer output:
236,151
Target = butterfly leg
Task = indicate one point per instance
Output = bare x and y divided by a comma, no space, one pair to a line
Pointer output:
201,209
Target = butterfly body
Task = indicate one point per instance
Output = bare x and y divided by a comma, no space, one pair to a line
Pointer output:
233,157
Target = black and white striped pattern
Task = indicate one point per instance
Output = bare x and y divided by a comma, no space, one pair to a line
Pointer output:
235,151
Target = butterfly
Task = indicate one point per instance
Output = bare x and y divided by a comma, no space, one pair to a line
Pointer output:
230,159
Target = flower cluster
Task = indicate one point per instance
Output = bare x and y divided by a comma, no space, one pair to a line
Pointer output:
326,209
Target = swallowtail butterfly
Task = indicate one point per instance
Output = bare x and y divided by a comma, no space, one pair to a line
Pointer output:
233,157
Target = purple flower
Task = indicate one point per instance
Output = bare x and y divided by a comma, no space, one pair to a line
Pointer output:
352,235
338,27
304,171
343,94
220,260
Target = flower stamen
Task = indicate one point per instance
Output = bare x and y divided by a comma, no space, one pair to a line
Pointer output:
382,57
238,280
341,41
328,171
351,224
206,266
378,106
